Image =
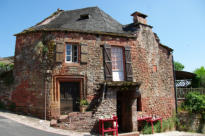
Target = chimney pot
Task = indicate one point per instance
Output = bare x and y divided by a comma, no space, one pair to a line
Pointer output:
139,18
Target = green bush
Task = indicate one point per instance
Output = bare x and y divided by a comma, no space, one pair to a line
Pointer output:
194,103
2,105
148,128
5,67
168,124
6,73
12,106
83,102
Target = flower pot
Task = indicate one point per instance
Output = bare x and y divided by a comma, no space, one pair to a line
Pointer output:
83,108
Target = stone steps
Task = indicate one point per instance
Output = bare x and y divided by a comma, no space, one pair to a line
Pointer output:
82,122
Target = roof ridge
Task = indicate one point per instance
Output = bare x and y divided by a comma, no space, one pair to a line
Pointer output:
58,12
102,16
81,9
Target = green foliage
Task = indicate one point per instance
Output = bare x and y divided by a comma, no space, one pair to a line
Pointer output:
2,105
12,106
6,73
45,50
83,102
5,67
195,82
168,124
148,128
194,103
178,66
199,71
200,79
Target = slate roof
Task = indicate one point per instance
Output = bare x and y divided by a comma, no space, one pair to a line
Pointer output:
98,22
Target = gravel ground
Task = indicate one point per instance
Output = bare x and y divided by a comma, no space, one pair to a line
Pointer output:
45,125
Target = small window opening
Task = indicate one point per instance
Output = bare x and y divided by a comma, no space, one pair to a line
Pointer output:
155,68
84,16
139,104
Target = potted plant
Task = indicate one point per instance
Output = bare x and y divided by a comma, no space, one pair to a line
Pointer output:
83,105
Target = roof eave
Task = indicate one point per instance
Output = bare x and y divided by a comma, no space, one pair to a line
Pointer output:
168,48
79,31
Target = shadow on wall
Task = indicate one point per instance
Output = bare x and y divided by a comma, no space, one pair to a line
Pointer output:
95,103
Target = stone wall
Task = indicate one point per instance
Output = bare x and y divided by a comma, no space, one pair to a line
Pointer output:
153,67
151,63
5,93
93,71
108,105
191,122
31,74
28,93
82,122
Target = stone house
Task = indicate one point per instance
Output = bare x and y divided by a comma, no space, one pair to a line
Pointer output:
121,70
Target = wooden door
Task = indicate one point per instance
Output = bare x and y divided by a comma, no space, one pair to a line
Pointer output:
69,97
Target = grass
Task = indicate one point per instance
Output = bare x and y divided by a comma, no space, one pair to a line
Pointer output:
168,124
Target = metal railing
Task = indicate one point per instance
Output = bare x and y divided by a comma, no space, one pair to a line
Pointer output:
182,92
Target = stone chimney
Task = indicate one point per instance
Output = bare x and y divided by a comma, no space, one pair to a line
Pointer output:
139,18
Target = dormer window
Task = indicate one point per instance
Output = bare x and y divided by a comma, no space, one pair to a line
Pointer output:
84,16
71,53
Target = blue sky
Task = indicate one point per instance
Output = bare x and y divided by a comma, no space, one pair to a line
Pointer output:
180,24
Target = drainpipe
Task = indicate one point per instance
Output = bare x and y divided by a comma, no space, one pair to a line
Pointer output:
46,85
104,89
175,90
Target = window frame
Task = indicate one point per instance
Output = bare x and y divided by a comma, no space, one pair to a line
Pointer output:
123,60
71,53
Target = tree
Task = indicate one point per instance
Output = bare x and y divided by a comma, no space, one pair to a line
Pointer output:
178,66
200,72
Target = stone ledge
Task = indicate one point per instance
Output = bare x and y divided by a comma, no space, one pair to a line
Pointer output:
121,83
130,134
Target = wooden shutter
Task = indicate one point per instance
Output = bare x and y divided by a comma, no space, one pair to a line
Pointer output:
107,62
84,53
128,63
59,52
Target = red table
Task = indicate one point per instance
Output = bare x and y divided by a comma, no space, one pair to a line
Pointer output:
151,120
144,118
154,120
113,129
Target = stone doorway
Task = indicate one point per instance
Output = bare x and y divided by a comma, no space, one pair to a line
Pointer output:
69,97
124,111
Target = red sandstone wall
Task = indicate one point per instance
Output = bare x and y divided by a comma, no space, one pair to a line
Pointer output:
152,65
28,93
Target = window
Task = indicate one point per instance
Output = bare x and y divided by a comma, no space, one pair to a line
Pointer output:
117,63
84,16
71,53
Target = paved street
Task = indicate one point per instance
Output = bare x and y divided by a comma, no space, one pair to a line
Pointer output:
12,128
9,127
